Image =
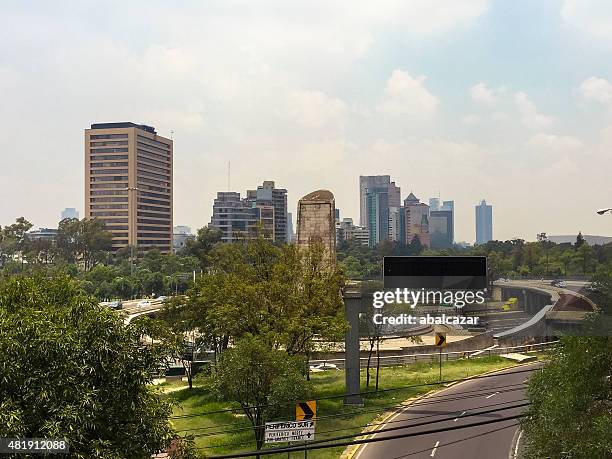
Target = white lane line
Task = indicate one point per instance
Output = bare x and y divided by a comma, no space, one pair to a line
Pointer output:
457,418
492,395
516,447
433,451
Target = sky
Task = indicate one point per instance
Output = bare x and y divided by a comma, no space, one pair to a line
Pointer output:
462,99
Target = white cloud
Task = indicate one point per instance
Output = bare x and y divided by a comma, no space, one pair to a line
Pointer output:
481,93
551,143
597,89
471,119
405,95
316,110
591,17
530,116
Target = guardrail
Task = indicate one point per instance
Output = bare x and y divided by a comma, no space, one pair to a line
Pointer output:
407,359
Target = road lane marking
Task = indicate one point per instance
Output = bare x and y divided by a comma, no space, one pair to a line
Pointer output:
492,395
433,451
457,418
516,447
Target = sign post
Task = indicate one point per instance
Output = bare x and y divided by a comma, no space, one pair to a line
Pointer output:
289,431
306,411
440,343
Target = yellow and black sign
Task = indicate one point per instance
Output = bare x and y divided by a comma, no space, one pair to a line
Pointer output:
306,411
441,339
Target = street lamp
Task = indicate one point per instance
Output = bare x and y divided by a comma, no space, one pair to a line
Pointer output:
603,211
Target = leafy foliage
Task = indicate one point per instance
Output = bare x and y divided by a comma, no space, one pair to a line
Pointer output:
262,380
571,402
71,369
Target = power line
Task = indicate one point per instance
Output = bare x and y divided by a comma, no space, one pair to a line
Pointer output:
437,383
408,426
427,401
458,441
423,401
365,440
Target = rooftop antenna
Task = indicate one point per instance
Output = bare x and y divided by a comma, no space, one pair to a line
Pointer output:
171,135
229,168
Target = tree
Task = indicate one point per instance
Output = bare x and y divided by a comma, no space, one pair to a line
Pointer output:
570,414
71,369
201,246
263,381
13,238
579,240
83,241
287,295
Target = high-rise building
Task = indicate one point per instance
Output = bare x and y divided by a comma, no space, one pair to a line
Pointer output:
417,220
239,219
289,227
484,222
266,196
449,206
397,224
377,200
128,184
441,229
434,204
376,181
316,221
69,212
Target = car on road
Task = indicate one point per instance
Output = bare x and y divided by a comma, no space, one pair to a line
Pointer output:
324,366
163,298
558,283
143,304
117,304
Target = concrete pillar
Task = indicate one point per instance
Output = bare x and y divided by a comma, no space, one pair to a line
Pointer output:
352,308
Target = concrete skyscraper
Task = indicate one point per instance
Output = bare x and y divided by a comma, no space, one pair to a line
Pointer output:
484,222
128,184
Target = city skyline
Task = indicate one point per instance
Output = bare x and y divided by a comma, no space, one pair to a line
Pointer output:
443,103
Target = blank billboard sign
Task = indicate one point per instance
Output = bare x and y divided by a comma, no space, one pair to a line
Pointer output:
443,273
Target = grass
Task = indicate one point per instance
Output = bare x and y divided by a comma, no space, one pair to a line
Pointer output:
231,432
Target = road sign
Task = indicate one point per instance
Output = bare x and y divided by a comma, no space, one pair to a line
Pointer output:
283,432
441,339
305,411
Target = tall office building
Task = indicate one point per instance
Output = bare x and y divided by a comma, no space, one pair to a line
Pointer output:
434,204
289,227
376,181
377,201
417,220
267,195
316,221
441,229
128,184
449,206
397,224
239,219
69,212
484,222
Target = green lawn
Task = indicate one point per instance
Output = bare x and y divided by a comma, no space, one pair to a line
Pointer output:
231,432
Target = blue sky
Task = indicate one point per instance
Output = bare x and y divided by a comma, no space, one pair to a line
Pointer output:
505,100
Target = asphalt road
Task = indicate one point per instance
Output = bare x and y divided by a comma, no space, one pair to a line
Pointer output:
493,441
